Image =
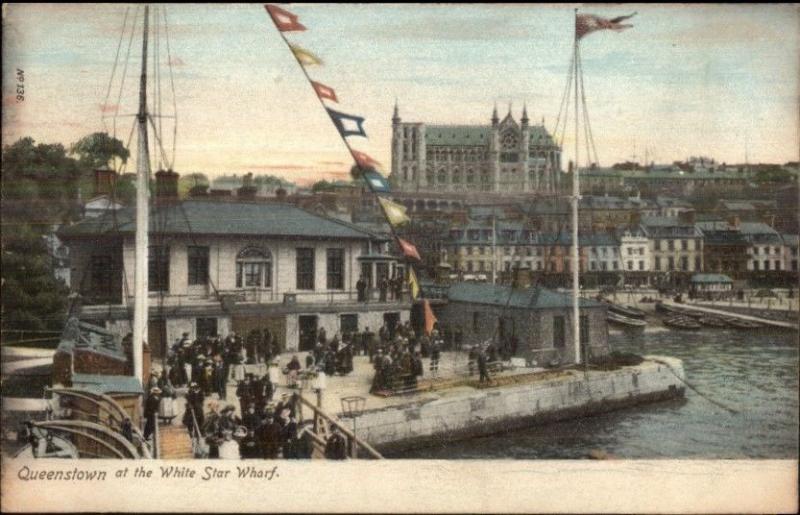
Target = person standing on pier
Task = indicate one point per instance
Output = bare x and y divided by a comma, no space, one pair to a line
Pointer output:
336,446
151,411
436,348
383,287
472,357
483,367
361,287
194,405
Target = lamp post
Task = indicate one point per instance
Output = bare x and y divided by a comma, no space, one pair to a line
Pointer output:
352,407
318,384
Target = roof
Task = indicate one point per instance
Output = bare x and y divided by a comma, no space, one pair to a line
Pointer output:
495,295
711,278
669,227
791,239
477,135
107,383
222,218
82,335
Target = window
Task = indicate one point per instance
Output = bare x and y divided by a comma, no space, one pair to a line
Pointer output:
102,277
198,265
658,264
584,329
777,265
671,263
348,323
630,265
158,271
684,263
206,327
335,269
305,269
366,273
641,265
766,264
476,316
253,268
697,264
615,265
559,337
684,245
671,245
755,265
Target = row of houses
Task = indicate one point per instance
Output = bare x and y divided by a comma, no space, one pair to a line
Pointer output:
656,249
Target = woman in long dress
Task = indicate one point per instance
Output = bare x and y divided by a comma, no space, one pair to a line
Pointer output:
167,407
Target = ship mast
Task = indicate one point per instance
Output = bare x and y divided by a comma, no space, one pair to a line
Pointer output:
576,324
140,308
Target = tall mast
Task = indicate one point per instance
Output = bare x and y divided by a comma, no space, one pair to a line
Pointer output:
576,325
142,206
494,247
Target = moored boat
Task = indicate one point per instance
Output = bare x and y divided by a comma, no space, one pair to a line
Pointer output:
712,321
627,322
627,311
738,323
682,322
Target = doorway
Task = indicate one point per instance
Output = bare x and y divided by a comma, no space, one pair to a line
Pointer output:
308,332
391,319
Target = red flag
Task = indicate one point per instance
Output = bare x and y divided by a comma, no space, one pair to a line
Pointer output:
430,318
588,23
324,91
409,250
283,19
365,161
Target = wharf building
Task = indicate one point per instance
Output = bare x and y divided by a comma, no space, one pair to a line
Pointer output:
218,266
503,157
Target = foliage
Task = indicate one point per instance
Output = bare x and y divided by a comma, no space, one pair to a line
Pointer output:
322,185
189,181
773,175
98,149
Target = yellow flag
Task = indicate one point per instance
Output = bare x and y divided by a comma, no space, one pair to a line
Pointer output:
304,56
413,284
394,211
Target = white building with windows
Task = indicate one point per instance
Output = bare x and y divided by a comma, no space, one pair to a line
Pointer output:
765,247
221,266
634,249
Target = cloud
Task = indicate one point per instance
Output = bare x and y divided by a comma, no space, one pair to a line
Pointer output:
108,108
334,163
275,167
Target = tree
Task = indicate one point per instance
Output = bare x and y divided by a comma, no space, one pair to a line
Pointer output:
189,181
98,149
39,189
322,185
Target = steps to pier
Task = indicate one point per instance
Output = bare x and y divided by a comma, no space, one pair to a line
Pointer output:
175,443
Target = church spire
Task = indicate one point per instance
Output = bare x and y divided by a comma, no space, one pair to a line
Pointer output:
396,115
495,118
525,114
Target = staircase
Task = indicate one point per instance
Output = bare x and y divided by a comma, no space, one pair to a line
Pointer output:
175,443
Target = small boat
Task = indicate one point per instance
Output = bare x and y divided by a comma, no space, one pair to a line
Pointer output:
627,311
682,322
711,321
667,309
624,321
738,323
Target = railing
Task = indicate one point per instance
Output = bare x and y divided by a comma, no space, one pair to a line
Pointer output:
199,450
156,441
352,438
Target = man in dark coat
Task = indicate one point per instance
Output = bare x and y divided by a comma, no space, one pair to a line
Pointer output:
336,446
383,287
249,448
151,411
483,368
269,436
194,403
361,287
250,418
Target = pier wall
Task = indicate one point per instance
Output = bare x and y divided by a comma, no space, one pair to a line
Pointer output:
495,410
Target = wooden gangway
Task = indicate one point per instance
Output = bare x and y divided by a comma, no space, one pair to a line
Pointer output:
750,318
322,421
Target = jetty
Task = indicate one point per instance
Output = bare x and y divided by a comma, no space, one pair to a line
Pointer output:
740,316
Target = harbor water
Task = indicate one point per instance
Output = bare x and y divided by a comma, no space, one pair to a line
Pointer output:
754,373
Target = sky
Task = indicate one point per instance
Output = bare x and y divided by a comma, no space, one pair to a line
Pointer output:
713,80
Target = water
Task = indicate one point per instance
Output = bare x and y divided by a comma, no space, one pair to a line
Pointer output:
754,372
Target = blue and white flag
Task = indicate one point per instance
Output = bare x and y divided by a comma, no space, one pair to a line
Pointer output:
376,181
347,124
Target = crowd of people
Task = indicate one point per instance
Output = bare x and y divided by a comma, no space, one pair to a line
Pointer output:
389,288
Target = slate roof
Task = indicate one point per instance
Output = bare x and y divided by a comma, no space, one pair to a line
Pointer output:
210,217
497,295
107,383
711,278
476,135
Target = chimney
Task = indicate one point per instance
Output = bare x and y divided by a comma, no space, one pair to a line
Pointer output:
105,181
247,191
687,217
733,221
166,185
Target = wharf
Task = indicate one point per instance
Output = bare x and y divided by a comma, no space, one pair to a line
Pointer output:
455,405
741,316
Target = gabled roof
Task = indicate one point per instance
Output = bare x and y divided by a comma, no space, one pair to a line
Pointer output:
496,295
711,278
222,218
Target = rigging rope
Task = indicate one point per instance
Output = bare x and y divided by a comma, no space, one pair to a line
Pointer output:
125,72
114,71
694,388
172,87
587,122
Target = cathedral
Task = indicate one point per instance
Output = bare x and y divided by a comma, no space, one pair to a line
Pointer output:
505,156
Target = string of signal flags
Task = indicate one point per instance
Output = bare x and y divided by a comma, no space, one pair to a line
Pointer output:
348,125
